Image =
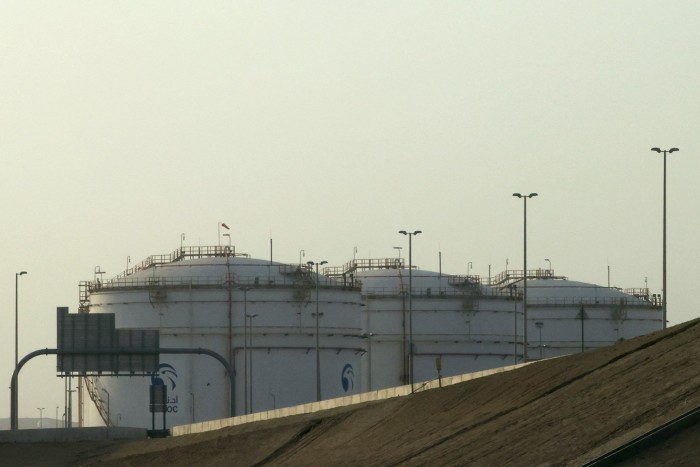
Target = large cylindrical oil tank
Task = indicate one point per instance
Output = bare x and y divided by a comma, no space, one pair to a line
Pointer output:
259,315
372,329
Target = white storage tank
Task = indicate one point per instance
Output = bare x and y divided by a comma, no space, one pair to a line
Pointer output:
264,313
236,306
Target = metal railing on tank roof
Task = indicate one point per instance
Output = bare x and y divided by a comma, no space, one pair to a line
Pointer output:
593,301
221,281
512,275
436,292
183,253
364,265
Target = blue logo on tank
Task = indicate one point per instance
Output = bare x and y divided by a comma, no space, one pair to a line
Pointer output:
347,378
165,374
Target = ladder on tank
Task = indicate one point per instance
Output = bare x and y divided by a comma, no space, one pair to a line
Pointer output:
94,393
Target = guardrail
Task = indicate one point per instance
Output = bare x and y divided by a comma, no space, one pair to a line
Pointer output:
647,440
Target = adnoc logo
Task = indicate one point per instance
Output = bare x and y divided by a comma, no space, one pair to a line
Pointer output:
347,378
165,373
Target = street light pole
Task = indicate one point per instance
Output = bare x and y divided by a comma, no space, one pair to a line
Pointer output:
663,296
41,416
318,355
524,197
410,302
582,314
514,294
218,230
250,358
17,274
245,349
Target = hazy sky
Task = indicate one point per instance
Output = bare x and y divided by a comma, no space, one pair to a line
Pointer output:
332,125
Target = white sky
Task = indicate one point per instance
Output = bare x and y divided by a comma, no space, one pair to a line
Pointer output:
332,125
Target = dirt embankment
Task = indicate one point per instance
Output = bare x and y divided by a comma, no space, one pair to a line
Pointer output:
557,412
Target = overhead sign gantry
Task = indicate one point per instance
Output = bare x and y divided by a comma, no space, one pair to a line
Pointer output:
90,345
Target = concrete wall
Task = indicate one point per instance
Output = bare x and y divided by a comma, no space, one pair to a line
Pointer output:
333,403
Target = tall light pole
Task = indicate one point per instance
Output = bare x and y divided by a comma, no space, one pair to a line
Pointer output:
663,296
218,230
550,263
250,358
514,293
17,274
582,314
318,355
245,349
410,301
524,197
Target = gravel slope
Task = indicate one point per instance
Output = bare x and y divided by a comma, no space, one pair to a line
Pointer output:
563,411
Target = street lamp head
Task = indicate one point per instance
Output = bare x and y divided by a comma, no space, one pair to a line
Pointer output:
403,232
310,263
518,195
659,150
417,232
21,273
531,195
323,262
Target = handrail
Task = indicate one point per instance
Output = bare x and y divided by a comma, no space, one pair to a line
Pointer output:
438,292
511,275
179,254
94,393
364,264
88,287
